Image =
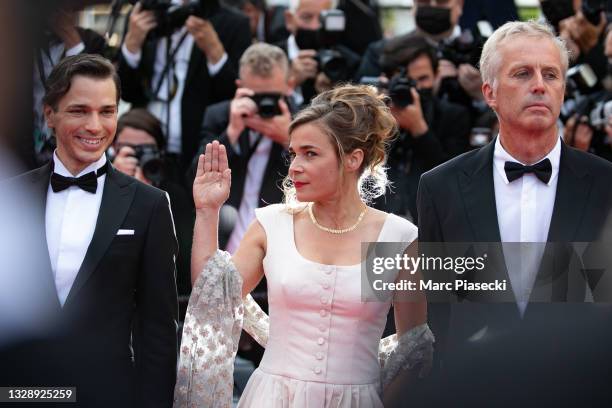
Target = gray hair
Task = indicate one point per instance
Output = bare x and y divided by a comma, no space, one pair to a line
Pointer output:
261,58
295,4
490,58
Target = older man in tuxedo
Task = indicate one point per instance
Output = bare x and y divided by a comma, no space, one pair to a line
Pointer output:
525,186
106,271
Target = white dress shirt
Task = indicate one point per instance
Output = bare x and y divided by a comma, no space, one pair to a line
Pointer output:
70,221
252,186
180,69
292,53
524,211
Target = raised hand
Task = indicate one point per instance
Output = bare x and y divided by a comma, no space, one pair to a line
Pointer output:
211,186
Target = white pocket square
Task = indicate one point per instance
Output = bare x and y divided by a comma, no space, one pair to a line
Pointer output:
125,232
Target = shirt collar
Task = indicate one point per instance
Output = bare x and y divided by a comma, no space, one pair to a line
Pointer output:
60,169
292,48
501,156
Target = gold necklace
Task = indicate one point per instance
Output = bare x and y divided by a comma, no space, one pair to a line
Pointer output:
331,230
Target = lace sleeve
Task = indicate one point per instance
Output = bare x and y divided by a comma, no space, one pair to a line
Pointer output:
413,348
210,337
256,321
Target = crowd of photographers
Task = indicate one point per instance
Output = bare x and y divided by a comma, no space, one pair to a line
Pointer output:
237,71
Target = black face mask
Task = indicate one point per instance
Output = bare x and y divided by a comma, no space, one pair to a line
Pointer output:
307,39
557,10
433,20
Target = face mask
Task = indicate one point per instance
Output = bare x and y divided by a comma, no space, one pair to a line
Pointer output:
433,20
307,39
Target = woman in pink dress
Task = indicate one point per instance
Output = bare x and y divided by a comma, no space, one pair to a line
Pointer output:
322,342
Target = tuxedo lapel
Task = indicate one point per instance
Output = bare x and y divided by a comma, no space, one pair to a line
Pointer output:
195,62
573,189
276,170
40,185
478,192
116,200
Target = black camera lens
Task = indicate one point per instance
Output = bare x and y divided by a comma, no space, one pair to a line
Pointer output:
400,90
150,161
333,64
267,104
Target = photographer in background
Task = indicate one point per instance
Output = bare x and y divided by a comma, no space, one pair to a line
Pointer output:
267,23
61,37
457,78
581,24
431,130
317,59
254,127
140,150
177,71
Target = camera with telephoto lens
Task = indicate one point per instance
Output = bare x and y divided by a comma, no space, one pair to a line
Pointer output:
580,82
601,112
150,161
171,17
331,61
398,88
465,49
267,104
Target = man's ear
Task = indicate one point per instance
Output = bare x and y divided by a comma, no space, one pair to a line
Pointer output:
489,95
49,116
290,21
353,160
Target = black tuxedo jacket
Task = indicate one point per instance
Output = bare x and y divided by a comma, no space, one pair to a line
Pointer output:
488,350
115,338
214,128
201,90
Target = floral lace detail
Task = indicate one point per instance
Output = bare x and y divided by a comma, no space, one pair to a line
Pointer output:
413,349
210,337
256,321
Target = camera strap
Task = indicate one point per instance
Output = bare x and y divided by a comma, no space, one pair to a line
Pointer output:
169,62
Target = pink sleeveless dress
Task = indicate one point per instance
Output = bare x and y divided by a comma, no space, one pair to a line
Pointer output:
323,342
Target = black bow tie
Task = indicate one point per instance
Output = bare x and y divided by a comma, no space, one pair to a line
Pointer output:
542,170
88,182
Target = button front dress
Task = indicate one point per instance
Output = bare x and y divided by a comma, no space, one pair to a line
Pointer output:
323,342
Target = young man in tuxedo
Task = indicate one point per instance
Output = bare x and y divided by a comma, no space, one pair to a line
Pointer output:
107,277
525,186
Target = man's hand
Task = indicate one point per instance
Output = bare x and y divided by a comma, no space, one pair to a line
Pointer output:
581,35
141,22
470,80
577,133
304,66
206,38
125,161
241,107
323,83
410,118
446,69
64,26
275,128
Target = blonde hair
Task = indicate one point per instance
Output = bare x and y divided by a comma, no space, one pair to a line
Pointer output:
490,57
353,117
